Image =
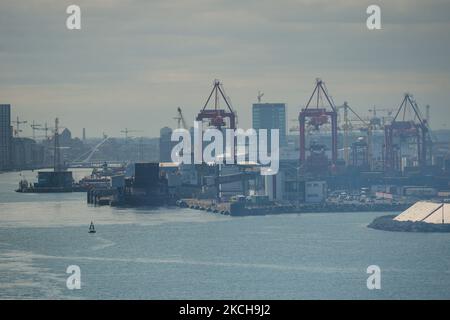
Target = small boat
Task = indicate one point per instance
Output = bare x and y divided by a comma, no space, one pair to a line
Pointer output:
92,228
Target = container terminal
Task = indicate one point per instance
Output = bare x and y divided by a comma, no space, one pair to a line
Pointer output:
338,161
342,162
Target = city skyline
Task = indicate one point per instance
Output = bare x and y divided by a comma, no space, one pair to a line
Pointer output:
133,60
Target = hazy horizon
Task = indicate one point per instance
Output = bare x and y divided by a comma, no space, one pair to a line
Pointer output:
134,62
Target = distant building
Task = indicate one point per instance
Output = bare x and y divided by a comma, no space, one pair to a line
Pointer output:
26,153
65,137
315,191
270,116
5,136
165,144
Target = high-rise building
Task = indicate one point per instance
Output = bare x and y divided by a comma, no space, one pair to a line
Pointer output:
270,116
5,136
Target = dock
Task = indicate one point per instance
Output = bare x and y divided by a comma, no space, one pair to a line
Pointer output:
245,209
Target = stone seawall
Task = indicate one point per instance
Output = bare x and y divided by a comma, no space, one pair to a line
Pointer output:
387,223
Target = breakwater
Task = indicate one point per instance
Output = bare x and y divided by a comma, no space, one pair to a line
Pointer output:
387,223
245,209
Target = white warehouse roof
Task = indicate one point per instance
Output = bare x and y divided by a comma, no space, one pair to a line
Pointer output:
423,211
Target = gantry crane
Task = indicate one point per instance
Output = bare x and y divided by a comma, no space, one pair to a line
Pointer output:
217,115
347,126
317,116
406,126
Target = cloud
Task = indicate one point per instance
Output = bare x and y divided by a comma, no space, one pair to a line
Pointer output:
134,62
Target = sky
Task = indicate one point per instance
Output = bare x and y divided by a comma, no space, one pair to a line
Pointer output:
135,61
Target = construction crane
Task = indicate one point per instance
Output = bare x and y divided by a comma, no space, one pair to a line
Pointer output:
126,131
35,127
180,119
259,96
17,122
45,128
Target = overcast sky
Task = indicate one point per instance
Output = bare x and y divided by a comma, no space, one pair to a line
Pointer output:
134,62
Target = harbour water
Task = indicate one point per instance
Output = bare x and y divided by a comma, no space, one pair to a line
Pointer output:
173,253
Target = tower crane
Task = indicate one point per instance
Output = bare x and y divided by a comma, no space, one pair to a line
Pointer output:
17,122
126,131
45,128
259,96
180,119
35,127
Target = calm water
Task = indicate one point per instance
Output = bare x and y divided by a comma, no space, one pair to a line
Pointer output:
185,254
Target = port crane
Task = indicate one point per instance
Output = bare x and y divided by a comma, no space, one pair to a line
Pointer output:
316,116
347,127
217,115
408,125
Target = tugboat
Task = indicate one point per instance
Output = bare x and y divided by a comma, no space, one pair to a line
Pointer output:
92,228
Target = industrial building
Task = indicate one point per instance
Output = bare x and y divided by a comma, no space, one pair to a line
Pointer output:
26,153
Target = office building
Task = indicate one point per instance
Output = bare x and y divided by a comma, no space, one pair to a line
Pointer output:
5,136
270,116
